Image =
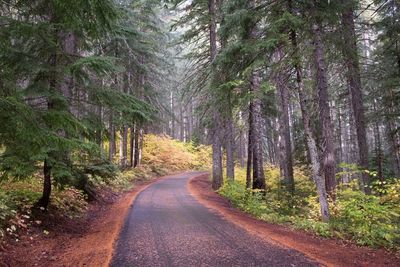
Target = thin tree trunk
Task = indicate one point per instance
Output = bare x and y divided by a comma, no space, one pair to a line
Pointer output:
136,162
339,135
241,151
256,117
190,121
99,134
378,146
217,178
284,143
249,148
258,162
311,144
173,116
111,146
124,146
182,124
45,199
324,111
351,58
230,151
271,136
131,146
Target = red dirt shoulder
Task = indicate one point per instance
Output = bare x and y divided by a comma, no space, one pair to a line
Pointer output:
329,252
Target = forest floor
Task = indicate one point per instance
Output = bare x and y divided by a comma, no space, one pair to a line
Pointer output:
329,252
87,241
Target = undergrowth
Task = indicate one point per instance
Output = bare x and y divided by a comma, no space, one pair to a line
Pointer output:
161,156
371,220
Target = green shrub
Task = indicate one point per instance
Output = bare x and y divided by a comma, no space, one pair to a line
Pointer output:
246,199
365,219
70,202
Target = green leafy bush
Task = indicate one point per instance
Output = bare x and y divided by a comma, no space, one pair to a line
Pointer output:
365,219
70,202
245,199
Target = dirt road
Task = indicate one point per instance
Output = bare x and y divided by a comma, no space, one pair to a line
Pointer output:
166,226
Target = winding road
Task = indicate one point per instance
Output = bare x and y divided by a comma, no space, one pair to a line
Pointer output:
166,226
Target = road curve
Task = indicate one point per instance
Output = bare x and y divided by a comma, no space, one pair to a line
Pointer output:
166,226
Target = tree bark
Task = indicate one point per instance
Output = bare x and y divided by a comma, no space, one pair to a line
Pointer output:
68,46
136,162
249,148
310,139
131,146
230,149
217,178
393,133
124,147
257,144
256,116
173,115
182,123
378,146
45,198
350,53
111,145
241,150
284,141
324,111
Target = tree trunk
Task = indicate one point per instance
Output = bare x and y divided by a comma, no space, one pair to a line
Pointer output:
45,199
131,146
173,115
230,151
111,146
68,43
284,143
324,111
182,123
312,148
256,117
378,146
190,122
136,162
124,146
311,144
350,53
249,148
99,134
395,146
393,133
217,178
257,144
241,151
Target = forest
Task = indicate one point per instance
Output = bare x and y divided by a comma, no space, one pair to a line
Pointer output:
292,106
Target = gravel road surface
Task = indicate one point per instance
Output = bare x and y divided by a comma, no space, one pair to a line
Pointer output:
166,226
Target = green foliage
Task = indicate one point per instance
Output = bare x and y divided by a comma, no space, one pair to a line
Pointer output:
70,202
365,219
19,197
245,199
